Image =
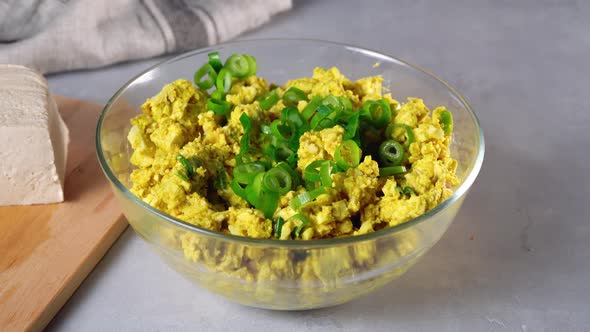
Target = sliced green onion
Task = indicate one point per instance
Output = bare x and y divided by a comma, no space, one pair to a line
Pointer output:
337,105
279,227
238,189
399,190
189,164
254,190
292,118
391,153
346,104
270,151
446,118
219,95
294,145
300,200
323,112
332,102
310,108
280,131
245,141
265,129
320,171
352,126
267,164
223,81
277,180
311,173
284,153
391,170
205,82
302,225
378,112
238,65
341,106
245,173
408,191
268,100
309,185
215,61
292,159
390,132
326,170
293,95
252,65
326,122
295,178
219,107
247,126
221,179
182,176
325,174
348,155
261,199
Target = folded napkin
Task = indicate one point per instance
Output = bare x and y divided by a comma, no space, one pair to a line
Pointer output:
59,35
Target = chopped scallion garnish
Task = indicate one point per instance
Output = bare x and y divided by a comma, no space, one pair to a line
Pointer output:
205,77
293,95
279,227
446,119
348,155
224,80
391,153
268,100
215,61
391,170
390,132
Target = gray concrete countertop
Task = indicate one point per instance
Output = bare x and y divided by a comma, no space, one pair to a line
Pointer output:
517,258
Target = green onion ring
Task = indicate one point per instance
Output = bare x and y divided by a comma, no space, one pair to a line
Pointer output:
219,107
300,200
311,173
268,100
348,155
293,95
304,223
391,153
279,227
245,173
215,61
391,170
224,80
310,108
238,65
446,118
409,133
205,82
277,180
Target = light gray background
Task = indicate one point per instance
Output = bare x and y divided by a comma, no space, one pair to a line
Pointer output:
516,258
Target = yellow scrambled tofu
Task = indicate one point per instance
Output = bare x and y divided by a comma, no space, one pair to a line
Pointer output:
176,121
358,201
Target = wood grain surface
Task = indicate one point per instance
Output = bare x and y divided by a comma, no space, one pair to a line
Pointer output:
46,251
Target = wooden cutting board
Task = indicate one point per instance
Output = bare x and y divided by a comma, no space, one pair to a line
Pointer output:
46,251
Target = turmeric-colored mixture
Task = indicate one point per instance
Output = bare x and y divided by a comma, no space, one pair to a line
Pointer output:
186,157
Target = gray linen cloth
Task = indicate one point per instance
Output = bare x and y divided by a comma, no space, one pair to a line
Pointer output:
59,35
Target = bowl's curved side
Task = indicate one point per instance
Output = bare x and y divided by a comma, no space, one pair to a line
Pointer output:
286,278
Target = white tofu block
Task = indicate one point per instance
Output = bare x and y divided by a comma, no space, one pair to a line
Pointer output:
33,140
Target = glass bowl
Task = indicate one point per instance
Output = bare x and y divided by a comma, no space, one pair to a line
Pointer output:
288,275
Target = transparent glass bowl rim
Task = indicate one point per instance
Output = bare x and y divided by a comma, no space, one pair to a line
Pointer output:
294,244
